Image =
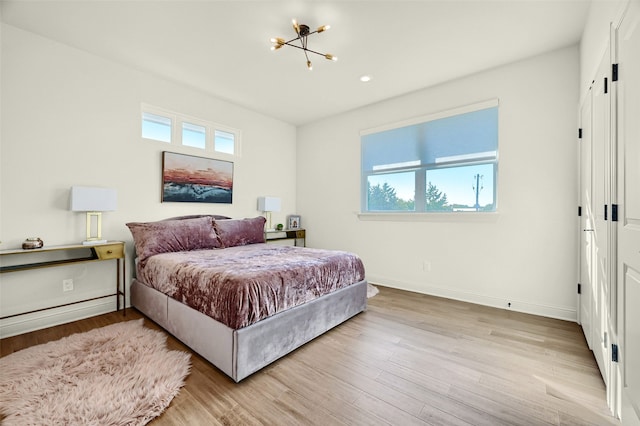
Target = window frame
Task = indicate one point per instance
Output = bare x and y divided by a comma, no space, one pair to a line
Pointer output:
422,169
177,121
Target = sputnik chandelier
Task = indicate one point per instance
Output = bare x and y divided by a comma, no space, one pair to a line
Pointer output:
303,32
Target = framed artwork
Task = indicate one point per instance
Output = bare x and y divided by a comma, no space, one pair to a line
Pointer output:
294,222
191,179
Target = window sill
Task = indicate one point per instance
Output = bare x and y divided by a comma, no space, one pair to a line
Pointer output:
429,217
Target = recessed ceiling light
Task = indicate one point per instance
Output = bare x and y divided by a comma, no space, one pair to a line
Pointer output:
365,78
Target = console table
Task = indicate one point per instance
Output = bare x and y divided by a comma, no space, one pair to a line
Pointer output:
297,235
81,253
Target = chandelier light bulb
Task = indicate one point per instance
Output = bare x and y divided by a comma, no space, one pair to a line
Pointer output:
309,65
323,28
330,57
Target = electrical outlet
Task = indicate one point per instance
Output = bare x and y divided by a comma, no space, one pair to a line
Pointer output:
426,266
67,285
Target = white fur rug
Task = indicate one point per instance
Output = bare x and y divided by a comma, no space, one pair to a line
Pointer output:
371,290
120,374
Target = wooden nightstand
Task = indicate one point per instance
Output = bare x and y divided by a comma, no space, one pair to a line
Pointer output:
297,236
13,261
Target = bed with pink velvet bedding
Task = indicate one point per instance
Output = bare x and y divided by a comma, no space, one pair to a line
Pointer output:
237,301
239,286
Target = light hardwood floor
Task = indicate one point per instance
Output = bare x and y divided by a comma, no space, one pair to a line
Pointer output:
409,359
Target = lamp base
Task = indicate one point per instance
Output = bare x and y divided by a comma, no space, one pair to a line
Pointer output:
93,242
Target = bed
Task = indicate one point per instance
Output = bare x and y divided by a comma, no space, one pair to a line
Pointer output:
213,283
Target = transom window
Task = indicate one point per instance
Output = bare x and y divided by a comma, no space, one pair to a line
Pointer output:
178,129
445,162
156,127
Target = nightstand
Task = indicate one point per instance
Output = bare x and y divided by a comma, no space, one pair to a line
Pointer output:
287,236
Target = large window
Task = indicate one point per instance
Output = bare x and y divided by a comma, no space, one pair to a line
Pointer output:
178,129
442,163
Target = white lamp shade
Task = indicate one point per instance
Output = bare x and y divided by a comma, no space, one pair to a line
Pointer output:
91,199
269,204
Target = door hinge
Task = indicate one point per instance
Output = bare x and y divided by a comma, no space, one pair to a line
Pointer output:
579,288
606,87
605,211
614,352
614,72
579,210
614,212
580,133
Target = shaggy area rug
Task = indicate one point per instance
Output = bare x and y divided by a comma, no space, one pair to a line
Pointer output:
371,291
121,374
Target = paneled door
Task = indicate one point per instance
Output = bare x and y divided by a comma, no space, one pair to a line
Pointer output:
586,223
601,163
628,97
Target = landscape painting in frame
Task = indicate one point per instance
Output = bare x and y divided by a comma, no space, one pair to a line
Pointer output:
191,179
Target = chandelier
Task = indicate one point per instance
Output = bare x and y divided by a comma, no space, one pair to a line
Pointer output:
302,31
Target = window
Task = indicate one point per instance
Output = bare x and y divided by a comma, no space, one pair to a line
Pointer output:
160,125
446,162
156,127
224,141
194,135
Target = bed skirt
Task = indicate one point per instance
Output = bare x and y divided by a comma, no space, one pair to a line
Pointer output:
240,353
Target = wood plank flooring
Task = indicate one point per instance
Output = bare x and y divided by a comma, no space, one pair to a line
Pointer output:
410,359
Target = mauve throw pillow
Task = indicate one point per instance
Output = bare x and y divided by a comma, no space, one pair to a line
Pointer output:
173,235
240,232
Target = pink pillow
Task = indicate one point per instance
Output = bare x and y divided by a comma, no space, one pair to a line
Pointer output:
240,232
173,235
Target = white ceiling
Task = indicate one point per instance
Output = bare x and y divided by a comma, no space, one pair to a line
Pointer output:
222,47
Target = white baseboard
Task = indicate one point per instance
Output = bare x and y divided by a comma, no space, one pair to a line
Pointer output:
39,320
558,312
49,318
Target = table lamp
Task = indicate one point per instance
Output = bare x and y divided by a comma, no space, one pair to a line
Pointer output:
93,201
268,205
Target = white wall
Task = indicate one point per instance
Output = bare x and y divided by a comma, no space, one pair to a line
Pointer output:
71,118
525,254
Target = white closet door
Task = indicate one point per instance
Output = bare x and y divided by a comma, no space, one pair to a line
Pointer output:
628,96
601,129
586,224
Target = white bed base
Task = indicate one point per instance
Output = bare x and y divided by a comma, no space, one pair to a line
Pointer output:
240,353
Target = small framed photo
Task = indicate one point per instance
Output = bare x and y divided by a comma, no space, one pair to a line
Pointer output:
294,222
